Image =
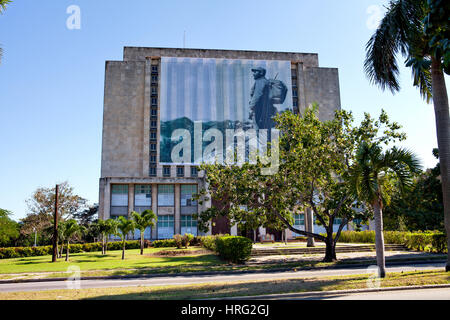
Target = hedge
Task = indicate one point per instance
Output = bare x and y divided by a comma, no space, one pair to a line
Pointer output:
432,241
234,248
20,252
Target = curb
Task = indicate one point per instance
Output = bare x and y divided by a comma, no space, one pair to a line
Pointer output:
206,273
285,296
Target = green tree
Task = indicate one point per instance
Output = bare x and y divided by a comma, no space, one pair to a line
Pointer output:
420,208
315,158
9,229
125,226
372,178
142,221
70,229
419,30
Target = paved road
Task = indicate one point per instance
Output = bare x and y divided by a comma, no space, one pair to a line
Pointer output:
415,294
191,279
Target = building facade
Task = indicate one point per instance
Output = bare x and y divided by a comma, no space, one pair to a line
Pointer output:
157,95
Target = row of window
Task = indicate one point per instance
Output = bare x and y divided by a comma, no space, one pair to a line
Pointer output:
299,220
166,227
143,195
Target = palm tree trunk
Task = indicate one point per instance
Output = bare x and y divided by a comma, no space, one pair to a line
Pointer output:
441,111
103,244
142,243
67,251
379,238
123,250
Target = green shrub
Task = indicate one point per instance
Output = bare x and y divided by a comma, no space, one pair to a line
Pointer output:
186,239
434,241
164,243
7,253
178,238
233,248
92,247
209,242
439,242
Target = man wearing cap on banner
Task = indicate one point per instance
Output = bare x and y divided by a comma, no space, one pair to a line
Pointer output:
261,107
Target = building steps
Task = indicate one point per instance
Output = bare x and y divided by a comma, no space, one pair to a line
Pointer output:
321,250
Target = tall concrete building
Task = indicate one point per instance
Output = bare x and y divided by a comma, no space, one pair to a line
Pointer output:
157,99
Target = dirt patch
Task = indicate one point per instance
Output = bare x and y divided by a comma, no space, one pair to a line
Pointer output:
180,252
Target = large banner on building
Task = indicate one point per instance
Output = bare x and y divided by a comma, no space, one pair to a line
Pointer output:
200,98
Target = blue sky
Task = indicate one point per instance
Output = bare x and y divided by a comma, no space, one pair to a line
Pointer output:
52,78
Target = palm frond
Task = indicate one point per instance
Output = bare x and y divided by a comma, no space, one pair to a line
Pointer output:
395,35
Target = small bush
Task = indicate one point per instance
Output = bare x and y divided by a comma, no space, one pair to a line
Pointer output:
164,243
186,239
178,238
439,243
234,249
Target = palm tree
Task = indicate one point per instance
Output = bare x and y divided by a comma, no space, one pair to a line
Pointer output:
409,27
109,228
373,176
71,228
125,226
143,221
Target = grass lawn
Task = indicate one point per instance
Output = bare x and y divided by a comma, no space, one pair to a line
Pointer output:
112,260
230,289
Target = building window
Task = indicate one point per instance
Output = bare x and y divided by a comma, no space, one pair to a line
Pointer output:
154,69
154,79
152,172
295,103
194,172
187,192
299,219
180,171
153,158
154,113
153,135
188,225
154,90
154,102
142,195
166,226
166,196
294,93
152,146
154,124
166,171
119,195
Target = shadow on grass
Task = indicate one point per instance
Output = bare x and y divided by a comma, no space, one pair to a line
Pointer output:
228,290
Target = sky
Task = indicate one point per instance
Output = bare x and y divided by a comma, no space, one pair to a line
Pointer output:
53,68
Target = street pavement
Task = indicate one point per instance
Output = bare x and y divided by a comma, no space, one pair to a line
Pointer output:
196,279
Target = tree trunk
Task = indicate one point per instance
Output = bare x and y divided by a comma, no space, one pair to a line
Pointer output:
379,238
309,226
123,250
441,111
330,250
142,243
67,251
103,244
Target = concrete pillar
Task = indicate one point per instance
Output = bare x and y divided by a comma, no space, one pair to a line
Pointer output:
155,209
177,209
130,199
309,226
107,200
